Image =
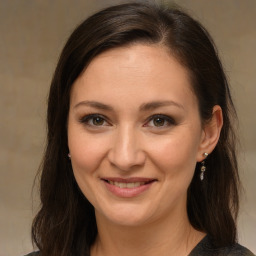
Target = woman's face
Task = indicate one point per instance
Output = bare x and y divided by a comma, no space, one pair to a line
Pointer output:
134,134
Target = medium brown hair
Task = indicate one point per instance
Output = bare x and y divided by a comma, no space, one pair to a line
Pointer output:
65,224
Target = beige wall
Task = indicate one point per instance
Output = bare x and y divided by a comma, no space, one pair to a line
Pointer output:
32,33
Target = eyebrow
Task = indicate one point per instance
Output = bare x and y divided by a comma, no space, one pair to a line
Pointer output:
94,104
144,107
157,104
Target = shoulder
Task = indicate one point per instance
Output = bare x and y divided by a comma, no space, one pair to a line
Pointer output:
206,248
240,250
33,254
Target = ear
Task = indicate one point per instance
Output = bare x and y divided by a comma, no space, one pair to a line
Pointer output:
211,133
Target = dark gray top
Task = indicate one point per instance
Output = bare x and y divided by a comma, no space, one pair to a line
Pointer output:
206,248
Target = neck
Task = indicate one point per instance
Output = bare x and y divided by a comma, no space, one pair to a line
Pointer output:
168,237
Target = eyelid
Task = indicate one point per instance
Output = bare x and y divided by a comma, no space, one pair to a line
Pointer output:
85,119
167,118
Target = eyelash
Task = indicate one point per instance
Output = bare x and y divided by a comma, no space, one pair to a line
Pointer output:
90,117
168,121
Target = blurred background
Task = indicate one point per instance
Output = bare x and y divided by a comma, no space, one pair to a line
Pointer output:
32,34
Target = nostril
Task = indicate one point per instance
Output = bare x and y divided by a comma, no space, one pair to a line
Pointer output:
125,160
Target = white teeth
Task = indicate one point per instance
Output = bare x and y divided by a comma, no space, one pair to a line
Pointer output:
126,185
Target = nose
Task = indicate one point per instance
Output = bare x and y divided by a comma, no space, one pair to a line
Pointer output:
126,151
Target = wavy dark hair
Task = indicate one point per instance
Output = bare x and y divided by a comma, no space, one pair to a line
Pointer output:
65,224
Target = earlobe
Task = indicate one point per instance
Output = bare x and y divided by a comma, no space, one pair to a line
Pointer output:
211,133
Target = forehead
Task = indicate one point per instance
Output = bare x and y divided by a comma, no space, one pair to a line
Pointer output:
138,71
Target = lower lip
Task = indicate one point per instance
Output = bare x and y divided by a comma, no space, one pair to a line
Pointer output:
127,192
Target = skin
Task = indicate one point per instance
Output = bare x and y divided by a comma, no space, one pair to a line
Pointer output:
127,140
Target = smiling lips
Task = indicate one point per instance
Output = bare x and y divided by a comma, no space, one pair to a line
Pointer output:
128,187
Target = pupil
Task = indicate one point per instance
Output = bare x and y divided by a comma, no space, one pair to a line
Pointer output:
98,121
159,121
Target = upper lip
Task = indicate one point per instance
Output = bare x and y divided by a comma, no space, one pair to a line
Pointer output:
128,180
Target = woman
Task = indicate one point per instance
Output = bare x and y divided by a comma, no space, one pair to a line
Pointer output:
141,154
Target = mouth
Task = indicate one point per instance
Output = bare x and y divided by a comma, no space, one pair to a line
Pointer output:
127,184
128,187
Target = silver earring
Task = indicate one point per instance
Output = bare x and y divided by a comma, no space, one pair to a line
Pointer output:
203,168
69,156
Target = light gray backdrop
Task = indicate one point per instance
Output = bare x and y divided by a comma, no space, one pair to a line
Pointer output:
32,34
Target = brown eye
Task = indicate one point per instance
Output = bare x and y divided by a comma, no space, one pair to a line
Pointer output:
159,121
98,121
94,120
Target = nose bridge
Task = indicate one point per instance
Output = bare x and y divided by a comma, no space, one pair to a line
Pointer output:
127,150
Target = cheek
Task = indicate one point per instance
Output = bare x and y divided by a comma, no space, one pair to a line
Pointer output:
86,151
175,155
87,154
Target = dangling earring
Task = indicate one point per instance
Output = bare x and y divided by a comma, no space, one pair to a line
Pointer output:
203,168
69,156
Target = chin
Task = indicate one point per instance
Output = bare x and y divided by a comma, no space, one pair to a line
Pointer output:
126,215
